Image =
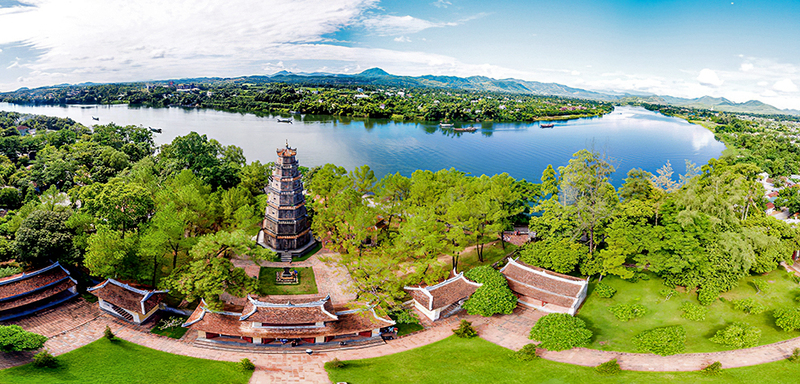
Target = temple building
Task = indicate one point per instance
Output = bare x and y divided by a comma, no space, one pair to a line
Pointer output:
545,290
443,299
286,319
286,229
26,293
132,304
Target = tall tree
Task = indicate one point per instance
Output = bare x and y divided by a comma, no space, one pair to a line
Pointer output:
44,236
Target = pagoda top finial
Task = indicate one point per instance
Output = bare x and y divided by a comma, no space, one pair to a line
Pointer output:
287,143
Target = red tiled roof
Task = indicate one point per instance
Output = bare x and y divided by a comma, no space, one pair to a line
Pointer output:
42,294
543,285
289,310
445,293
21,284
127,297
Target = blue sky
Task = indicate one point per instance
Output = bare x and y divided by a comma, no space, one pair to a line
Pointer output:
741,50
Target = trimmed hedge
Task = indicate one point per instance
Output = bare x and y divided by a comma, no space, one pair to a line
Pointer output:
493,297
609,368
560,331
604,290
625,312
787,318
662,341
693,311
749,306
738,335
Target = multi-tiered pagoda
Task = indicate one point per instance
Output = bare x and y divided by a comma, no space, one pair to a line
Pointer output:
286,229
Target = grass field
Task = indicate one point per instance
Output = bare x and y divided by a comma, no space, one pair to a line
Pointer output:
175,332
614,335
111,362
455,360
267,286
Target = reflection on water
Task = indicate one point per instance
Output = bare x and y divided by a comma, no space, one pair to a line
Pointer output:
634,137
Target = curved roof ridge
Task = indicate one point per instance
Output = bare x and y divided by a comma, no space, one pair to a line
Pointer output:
544,272
289,304
24,275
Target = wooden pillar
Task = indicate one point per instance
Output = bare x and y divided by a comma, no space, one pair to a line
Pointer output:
319,339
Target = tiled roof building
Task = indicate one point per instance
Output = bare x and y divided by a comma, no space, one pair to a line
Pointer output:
545,290
132,304
270,319
433,300
27,293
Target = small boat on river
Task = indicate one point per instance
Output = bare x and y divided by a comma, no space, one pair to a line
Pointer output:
468,129
549,125
446,125
289,120
95,118
154,130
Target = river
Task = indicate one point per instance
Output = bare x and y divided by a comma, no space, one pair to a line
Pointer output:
631,136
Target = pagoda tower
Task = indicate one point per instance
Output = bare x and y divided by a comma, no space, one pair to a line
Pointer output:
286,229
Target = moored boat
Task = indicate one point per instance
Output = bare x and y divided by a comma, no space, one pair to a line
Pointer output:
289,120
468,129
446,125
549,125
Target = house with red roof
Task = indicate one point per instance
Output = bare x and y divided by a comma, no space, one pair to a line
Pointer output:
278,319
129,303
443,299
543,289
29,292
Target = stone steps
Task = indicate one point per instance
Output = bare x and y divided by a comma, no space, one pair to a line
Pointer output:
231,347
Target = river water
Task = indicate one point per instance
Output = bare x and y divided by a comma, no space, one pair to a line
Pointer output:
632,137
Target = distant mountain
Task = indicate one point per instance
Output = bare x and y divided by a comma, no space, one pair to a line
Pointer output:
379,77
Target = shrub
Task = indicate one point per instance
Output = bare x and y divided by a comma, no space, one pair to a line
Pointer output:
405,316
788,318
526,353
560,331
795,357
713,369
8,271
604,290
108,334
44,359
335,364
693,311
247,365
465,330
625,312
559,255
610,367
739,335
761,286
749,306
13,338
493,297
706,296
668,293
662,341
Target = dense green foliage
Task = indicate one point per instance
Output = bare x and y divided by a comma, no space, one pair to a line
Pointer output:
44,359
713,369
14,338
122,362
662,341
527,353
693,311
493,297
465,330
560,331
8,271
787,318
626,312
608,368
604,290
749,305
738,334
247,365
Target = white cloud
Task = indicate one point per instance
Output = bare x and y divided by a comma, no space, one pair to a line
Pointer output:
575,73
785,85
763,83
402,39
709,78
400,25
441,3
746,67
13,65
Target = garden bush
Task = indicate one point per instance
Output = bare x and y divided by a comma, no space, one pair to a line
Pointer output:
787,318
465,330
8,271
608,368
604,290
761,286
749,306
45,359
13,338
739,335
706,296
795,357
662,341
560,331
108,334
335,364
625,312
693,311
493,297
667,293
526,353
713,369
247,365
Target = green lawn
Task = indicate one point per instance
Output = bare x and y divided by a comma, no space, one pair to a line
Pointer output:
107,362
491,254
406,328
614,335
310,253
267,286
455,360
